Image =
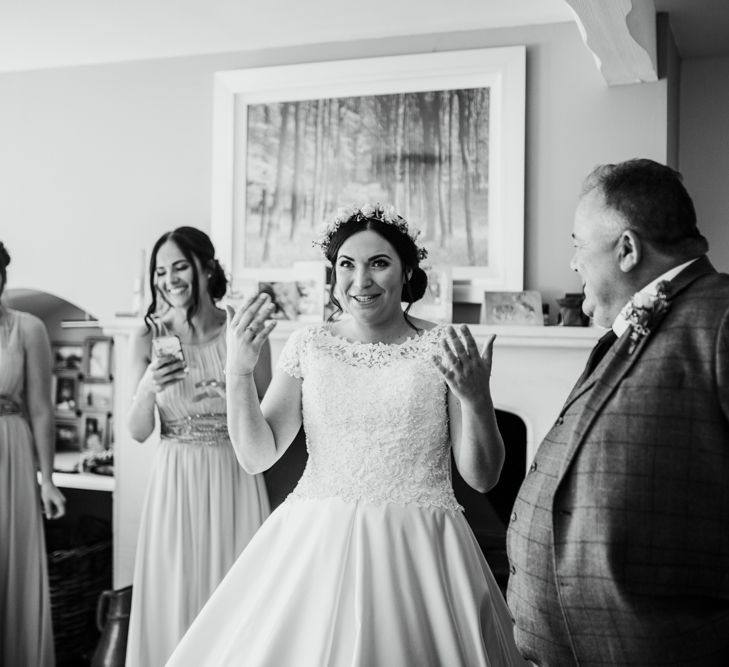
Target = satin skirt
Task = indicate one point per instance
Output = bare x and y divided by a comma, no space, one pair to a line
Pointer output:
335,583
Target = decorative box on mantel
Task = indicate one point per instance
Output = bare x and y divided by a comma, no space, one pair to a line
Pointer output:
534,369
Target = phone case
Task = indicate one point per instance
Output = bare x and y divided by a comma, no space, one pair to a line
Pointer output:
168,346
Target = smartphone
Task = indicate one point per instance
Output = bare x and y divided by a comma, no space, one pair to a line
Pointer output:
168,347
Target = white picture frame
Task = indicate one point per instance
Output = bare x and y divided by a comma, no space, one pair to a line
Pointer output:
512,308
96,395
298,291
437,302
501,71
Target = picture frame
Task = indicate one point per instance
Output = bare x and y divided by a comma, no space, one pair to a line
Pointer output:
437,302
512,308
67,436
255,190
298,292
95,395
94,431
64,393
67,356
98,358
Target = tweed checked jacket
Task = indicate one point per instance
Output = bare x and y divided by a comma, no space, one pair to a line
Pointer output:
619,540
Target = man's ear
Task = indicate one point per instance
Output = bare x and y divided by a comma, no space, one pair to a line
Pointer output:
630,250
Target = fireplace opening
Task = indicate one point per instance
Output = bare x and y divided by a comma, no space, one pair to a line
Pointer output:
488,514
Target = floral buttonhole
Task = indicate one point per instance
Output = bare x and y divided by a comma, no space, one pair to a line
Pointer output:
644,311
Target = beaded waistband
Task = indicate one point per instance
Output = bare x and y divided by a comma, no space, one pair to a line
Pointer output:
205,429
9,406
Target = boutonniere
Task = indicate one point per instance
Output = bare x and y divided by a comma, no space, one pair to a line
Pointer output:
644,311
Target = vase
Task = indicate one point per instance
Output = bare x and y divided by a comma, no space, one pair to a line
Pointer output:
112,619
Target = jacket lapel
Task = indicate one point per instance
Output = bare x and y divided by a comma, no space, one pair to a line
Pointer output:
617,362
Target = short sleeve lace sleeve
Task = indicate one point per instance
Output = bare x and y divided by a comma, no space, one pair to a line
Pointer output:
290,360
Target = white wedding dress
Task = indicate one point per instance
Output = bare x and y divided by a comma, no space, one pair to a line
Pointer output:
369,561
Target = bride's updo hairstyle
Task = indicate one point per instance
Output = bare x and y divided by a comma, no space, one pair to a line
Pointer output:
193,243
4,261
395,230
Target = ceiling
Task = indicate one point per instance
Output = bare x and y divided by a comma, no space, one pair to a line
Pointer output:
39,34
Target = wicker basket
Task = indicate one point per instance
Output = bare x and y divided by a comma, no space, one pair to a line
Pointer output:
78,573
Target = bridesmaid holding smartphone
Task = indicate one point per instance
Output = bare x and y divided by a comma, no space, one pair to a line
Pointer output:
201,508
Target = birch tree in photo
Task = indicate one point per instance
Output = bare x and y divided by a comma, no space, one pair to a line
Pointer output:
464,132
451,153
428,104
397,149
274,218
298,160
318,159
441,211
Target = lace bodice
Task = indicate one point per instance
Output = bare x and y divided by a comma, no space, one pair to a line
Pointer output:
375,417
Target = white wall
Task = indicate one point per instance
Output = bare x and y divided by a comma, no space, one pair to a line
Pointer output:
704,149
96,162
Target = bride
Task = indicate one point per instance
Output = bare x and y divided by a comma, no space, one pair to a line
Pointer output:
370,560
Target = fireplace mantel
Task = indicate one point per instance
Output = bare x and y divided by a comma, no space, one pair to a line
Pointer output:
533,370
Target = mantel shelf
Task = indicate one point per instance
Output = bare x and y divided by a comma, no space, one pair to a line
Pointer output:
518,336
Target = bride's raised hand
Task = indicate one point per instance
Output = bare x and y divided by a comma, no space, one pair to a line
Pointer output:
466,370
247,331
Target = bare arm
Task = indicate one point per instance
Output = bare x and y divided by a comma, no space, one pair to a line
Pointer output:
262,372
478,448
260,432
40,412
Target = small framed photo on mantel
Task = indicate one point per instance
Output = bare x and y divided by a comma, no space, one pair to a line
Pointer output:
298,292
97,359
437,302
67,356
512,308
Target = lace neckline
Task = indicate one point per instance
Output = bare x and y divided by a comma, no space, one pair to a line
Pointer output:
410,341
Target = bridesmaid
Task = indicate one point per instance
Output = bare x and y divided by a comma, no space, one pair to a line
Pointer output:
26,424
201,508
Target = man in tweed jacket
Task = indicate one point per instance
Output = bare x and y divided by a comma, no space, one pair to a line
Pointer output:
619,540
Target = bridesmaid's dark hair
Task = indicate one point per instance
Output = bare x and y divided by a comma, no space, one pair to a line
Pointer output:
4,261
414,286
193,243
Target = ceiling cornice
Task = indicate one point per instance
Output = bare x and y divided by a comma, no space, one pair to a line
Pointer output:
621,34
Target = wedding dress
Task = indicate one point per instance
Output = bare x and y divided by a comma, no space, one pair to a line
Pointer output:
369,561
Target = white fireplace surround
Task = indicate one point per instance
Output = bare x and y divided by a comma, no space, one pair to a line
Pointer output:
534,369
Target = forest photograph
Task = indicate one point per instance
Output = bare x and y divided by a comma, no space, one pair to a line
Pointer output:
425,153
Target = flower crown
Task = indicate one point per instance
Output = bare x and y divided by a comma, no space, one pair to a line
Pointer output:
386,215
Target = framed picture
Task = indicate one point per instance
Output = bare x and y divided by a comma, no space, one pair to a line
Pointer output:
437,302
298,292
95,431
67,356
438,135
95,396
67,435
97,358
512,308
64,393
